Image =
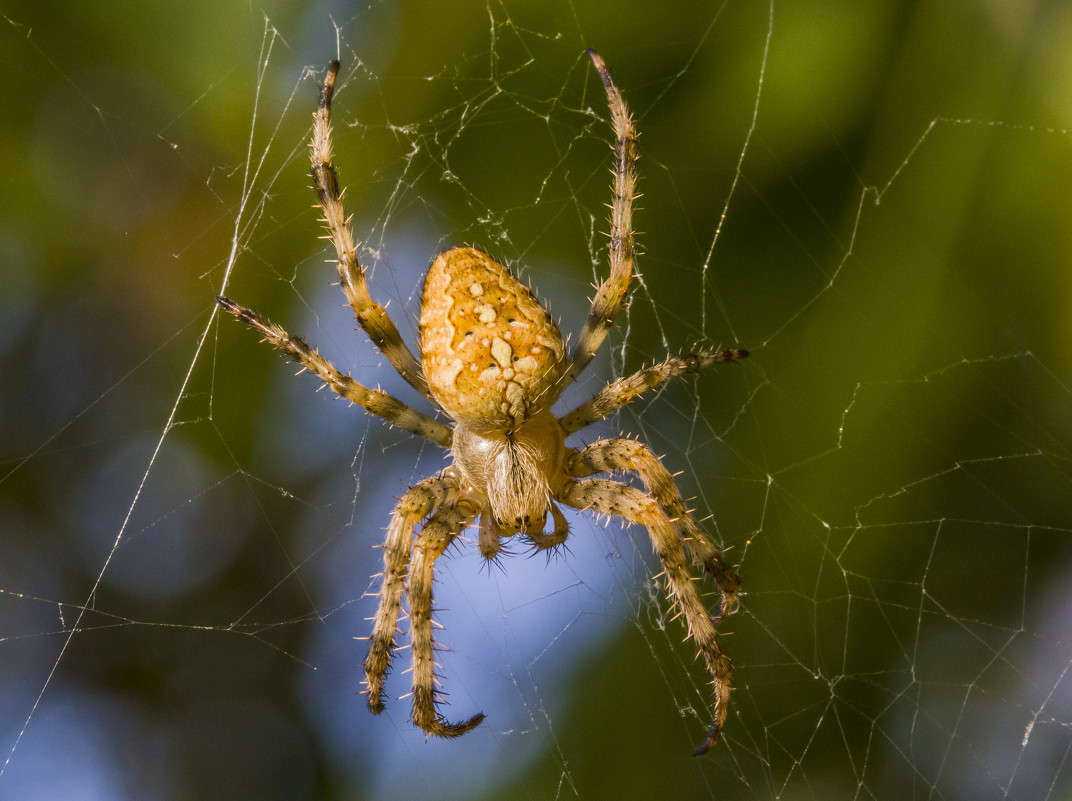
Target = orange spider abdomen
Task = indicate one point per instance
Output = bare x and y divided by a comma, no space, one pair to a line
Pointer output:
491,353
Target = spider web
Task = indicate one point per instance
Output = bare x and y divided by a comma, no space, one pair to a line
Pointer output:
869,199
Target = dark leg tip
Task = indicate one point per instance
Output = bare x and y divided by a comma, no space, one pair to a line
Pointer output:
712,737
439,727
375,704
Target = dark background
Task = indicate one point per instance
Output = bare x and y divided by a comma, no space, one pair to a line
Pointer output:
186,529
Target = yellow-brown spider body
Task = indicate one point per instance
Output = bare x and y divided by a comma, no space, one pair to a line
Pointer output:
491,353
492,356
493,362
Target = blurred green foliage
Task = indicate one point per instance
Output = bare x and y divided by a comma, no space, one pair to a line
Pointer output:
888,183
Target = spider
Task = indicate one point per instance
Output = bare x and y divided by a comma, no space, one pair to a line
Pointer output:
493,361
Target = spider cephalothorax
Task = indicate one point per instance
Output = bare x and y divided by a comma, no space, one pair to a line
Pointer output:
494,362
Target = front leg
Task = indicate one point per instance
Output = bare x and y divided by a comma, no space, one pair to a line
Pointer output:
611,295
371,316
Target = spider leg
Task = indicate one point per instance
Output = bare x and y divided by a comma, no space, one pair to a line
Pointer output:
618,393
612,293
374,401
417,503
615,455
437,535
371,316
612,498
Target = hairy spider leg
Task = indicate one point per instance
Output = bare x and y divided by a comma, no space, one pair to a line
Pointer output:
611,295
371,316
605,496
374,401
438,533
423,499
618,393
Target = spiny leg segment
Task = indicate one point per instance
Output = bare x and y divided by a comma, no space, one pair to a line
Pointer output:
438,533
420,501
370,315
627,455
374,401
613,498
618,393
612,293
